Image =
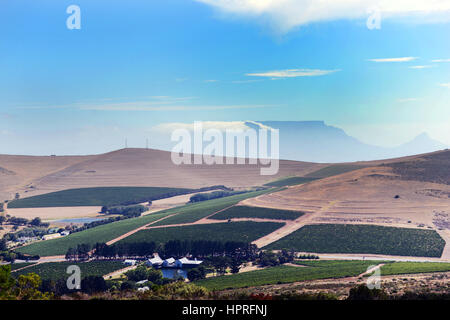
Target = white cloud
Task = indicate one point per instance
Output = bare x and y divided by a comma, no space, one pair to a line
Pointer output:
440,60
284,15
447,85
420,67
292,73
206,125
402,59
210,81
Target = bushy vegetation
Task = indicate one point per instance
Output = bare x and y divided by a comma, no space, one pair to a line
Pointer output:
429,168
287,274
256,212
213,195
245,231
57,270
290,181
344,238
177,248
127,211
26,287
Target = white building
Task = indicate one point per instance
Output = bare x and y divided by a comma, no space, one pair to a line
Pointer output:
186,263
129,262
169,262
156,261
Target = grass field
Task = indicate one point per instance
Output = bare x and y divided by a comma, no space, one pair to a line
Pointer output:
333,170
233,231
107,232
413,267
103,233
16,266
287,274
104,196
340,238
289,181
57,270
197,211
256,212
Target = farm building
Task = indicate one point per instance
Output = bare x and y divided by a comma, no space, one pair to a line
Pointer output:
169,263
129,262
156,261
186,263
51,236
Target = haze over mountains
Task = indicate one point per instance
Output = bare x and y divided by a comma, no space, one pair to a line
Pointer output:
315,141
311,141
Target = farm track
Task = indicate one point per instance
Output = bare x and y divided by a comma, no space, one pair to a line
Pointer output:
290,227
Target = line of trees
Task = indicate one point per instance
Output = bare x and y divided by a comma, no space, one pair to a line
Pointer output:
213,195
177,248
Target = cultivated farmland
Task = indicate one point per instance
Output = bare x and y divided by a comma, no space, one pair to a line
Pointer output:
57,270
346,238
103,233
103,196
413,267
287,274
256,212
290,181
245,231
194,212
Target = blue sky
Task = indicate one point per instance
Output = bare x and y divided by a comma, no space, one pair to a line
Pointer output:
136,64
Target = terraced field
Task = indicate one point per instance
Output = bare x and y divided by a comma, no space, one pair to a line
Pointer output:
346,238
288,274
57,270
256,212
104,196
233,231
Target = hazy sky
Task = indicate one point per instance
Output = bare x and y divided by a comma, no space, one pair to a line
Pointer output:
136,64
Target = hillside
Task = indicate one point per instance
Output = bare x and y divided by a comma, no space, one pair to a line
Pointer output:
408,193
128,167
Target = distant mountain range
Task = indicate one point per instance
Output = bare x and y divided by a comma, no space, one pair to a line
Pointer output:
317,142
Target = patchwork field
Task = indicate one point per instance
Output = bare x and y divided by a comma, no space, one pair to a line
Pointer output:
194,212
103,233
57,270
102,196
391,195
256,212
233,231
340,238
108,232
287,274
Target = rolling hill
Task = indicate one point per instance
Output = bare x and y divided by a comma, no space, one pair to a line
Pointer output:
128,167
